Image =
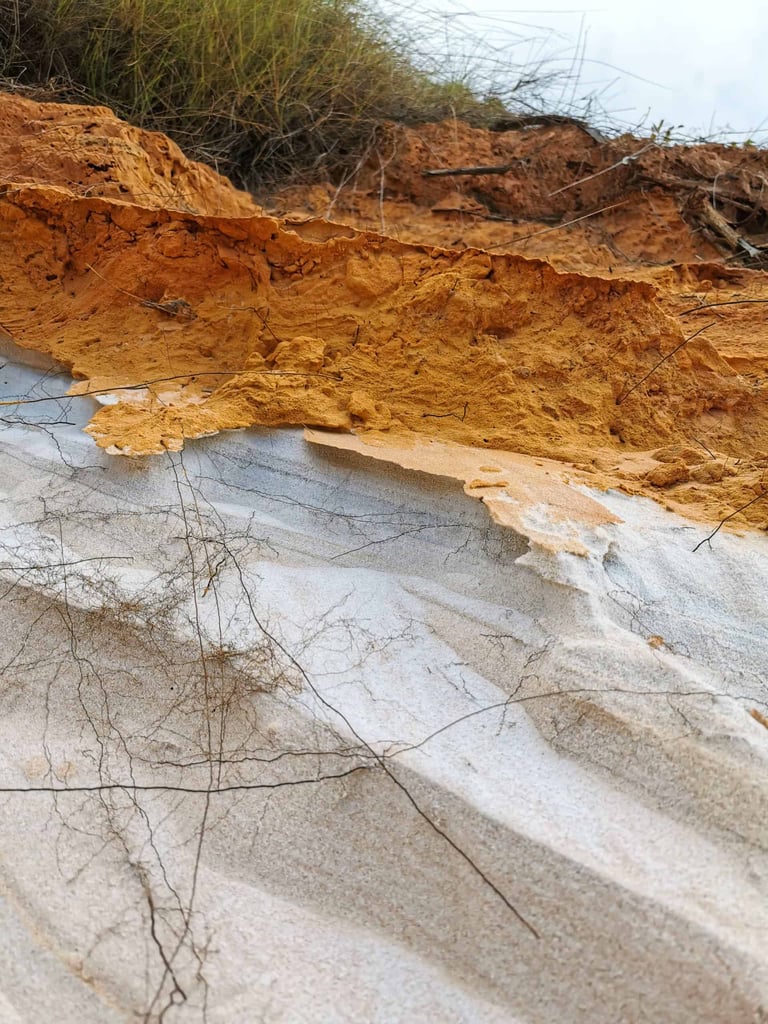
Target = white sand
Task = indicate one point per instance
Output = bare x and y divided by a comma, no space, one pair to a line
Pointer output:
577,725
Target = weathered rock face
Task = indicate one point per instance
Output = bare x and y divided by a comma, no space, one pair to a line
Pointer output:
293,729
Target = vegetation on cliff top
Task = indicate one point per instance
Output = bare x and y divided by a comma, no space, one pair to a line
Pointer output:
262,89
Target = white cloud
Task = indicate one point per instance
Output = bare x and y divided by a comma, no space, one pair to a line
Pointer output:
697,64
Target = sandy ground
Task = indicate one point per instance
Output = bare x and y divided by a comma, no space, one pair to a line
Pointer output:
385,722
578,725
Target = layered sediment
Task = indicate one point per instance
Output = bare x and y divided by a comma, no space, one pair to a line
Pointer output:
295,730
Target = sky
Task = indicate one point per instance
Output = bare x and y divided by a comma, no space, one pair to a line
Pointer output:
691,63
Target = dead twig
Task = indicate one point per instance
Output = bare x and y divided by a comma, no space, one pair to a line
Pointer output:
179,308
446,172
717,222
447,415
164,380
625,160
721,524
707,450
728,302
516,121
669,355
558,227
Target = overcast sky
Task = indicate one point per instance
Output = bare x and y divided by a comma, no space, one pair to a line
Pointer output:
695,63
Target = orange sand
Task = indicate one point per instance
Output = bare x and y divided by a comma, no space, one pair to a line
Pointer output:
218,318
90,152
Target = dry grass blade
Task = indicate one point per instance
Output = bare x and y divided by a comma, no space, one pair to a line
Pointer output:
264,88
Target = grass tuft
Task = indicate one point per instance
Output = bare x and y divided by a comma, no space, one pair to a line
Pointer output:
264,89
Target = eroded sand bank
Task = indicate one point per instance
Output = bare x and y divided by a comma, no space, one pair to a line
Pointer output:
196,324
294,730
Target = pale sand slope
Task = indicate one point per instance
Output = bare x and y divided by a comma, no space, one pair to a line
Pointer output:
597,761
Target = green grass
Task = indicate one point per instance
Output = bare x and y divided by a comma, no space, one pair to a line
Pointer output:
262,88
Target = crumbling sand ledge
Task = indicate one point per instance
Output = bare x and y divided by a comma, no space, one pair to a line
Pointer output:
224,322
534,497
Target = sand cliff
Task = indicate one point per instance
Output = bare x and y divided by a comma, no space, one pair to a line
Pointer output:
295,729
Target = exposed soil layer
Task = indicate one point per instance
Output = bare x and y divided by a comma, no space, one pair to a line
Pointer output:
558,193
197,316
90,152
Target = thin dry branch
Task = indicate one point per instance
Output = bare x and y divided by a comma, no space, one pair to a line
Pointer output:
514,122
726,519
717,222
625,394
163,380
728,302
619,163
559,227
446,172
